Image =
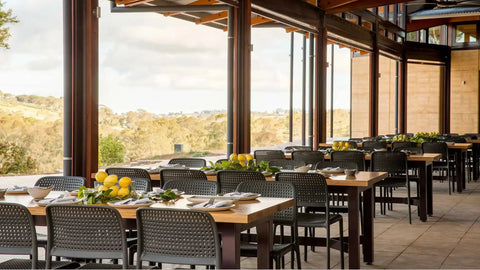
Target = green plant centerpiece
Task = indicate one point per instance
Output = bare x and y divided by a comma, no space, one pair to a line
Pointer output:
419,137
111,190
241,162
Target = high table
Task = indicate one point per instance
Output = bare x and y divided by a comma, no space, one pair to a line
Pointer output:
459,149
230,223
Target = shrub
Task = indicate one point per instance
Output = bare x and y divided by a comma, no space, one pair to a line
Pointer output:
111,150
14,159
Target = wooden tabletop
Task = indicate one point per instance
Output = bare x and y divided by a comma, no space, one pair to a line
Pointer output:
244,212
411,157
473,141
361,179
460,146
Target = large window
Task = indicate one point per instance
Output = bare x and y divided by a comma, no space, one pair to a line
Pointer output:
466,33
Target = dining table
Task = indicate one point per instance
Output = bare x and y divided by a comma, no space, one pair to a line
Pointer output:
361,184
230,223
476,157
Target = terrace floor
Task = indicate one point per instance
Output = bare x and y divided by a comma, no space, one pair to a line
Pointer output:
448,240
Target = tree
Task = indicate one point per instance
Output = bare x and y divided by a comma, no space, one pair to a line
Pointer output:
111,150
5,18
14,159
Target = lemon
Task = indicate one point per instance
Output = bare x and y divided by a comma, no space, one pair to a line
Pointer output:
347,145
242,158
249,157
100,176
123,192
114,191
233,157
125,182
103,188
110,180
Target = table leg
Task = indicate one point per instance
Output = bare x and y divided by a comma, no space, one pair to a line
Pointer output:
423,193
368,233
265,244
430,189
353,228
475,156
230,245
459,170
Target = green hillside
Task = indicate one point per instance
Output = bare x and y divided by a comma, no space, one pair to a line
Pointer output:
35,123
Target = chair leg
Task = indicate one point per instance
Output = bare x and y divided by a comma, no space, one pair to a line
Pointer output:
328,245
342,255
408,203
305,247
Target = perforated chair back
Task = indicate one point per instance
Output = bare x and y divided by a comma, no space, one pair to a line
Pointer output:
308,157
229,180
392,162
416,150
352,156
85,231
177,236
371,145
287,164
129,172
142,184
403,145
189,162
180,174
201,187
267,155
17,231
311,188
62,183
274,190
436,147
335,164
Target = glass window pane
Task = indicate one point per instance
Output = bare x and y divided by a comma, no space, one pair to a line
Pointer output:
381,11
412,36
391,13
434,35
400,21
422,36
466,33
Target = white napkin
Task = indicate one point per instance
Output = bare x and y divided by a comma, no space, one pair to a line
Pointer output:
158,191
142,201
239,194
17,188
215,205
44,201
123,201
65,199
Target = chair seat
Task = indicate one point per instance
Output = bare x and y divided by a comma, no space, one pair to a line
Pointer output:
278,250
316,220
27,264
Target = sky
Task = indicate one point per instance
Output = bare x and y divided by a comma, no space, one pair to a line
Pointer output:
155,63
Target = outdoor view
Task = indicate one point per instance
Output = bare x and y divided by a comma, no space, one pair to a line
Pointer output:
162,82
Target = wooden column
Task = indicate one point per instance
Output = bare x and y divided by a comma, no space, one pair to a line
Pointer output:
402,95
241,142
373,96
320,101
81,87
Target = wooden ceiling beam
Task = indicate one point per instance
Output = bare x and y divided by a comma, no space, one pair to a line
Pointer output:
196,3
256,21
331,7
421,24
212,18
129,3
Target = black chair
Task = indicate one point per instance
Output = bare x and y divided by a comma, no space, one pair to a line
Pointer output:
287,217
352,156
267,155
308,157
372,145
312,191
229,180
286,164
140,177
62,183
189,162
443,165
177,236
180,174
86,231
18,237
396,146
395,163
201,187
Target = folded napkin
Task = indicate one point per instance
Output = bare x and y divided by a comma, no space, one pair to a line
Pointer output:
17,188
65,199
332,169
44,201
239,194
158,191
214,205
142,201
123,201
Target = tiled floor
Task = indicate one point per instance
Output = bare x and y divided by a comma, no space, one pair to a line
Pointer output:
449,239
